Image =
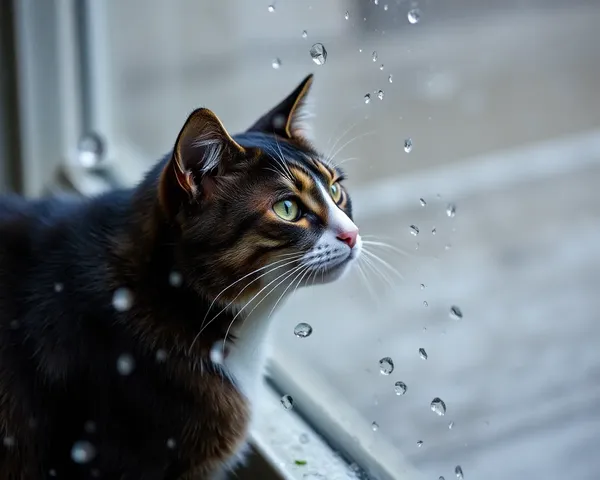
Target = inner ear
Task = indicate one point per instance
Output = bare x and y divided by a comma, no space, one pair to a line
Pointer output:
203,150
287,119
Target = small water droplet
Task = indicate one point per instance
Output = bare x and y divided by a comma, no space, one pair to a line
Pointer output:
216,353
448,247
303,330
318,53
52,472
380,94
271,8
400,388
125,364
374,426
414,230
287,402
347,15
441,478
455,313
385,7
425,304
451,210
438,406
83,452
450,425
122,299
376,2
171,443
58,287
433,231
276,63
374,56
408,144
381,66
423,202
304,34
423,353
386,366
161,355
9,441
459,473
414,16
391,78
420,443
90,150
303,438
422,286
367,98
175,279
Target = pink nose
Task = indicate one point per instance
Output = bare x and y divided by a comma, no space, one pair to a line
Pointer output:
349,237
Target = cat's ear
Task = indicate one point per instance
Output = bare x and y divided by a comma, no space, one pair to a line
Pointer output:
203,150
288,118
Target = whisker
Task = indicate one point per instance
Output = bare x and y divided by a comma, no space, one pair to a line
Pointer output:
363,276
286,289
332,157
381,274
386,245
383,262
339,138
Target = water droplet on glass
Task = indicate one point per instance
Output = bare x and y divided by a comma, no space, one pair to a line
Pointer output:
455,313
302,330
433,231
175,279
171,443
423,353
216,353
58,287
367,98
400,388
287,401
374,56
125,364
459,473
318,53
271,8
374,426
423,202
385,7
347,15
122,299
438,406
386,366
303,438
450,425
441,478
381,66
425,304
380,94
414,16
420,443
422,286
90,150
83,452
52,472
414,230
276,63
304,34
451,210
408,145
161,355
391,78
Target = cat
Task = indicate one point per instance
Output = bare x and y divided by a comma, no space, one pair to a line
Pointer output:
133,324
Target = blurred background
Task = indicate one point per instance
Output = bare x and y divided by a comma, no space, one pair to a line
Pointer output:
495,210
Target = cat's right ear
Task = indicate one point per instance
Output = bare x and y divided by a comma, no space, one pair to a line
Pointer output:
203,151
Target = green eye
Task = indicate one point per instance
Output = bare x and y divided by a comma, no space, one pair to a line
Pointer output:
336,191
287,210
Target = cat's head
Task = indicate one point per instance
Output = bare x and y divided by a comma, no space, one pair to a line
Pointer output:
260,210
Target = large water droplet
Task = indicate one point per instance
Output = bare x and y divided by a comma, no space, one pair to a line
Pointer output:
408,145
367,98
276,63
83,452
303,330
420,443
438,406
459,473
122,299
347,15
386,366
374,56
318,53
400,388
423,353
374,426
287,402
455,313
414,16
304,34
414,230
451,210
125,364
271,8
380,94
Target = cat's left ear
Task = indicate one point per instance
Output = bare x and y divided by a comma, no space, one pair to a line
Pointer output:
288,118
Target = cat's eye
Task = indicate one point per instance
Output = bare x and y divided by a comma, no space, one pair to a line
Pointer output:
287,210
336,191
